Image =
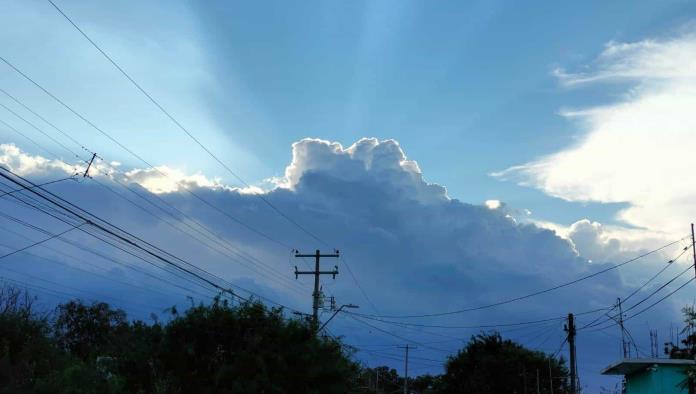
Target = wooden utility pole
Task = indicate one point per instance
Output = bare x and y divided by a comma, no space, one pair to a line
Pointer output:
570,329
316,296
625,345
550,378
89,165
693,246
524,378
407,347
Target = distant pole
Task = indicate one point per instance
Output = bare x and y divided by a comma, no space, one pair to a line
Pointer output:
570,329
89,165
625,347
550,378
693,246
316,295
524,378
538,392
407,347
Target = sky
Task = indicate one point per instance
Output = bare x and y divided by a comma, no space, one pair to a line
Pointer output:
457,153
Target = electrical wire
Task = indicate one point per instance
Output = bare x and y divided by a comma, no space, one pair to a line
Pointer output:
530,295
226,245
124,236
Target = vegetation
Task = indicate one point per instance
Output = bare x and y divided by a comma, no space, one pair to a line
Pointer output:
686,349
221,348
215,348
490,364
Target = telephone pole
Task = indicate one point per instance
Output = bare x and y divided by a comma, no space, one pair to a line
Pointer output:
89,165
317,273
406,366
570,329
625,346
693,246
550,378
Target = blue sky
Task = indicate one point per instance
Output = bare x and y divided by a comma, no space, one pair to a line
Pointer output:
466,88
578,112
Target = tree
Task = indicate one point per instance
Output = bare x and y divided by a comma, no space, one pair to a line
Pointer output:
380,379
215,348
687,349
252,349
90,330
490,364
26,352
425,384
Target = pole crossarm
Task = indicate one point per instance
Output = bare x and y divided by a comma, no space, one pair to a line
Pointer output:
333,272
317,272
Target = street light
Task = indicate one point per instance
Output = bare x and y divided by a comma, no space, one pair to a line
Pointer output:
353,306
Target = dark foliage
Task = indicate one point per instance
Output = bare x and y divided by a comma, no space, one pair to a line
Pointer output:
686,349
490,364
216,348
220,348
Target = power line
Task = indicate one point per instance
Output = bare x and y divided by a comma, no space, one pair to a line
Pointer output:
106,241
124,236
397,336
661,299
140,158
99,254
41,241
181,127
109,278
612,318
38,185
492,325
183,185
203,146
227,245
530,295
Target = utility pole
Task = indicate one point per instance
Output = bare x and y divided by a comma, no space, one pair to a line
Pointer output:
654,345
570,329
89,165
406,366
538,389
693,246
625,346
524,378
317,272
550,378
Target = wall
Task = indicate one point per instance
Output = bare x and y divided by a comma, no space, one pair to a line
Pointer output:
664,379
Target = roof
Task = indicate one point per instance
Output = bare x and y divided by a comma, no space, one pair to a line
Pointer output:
629,366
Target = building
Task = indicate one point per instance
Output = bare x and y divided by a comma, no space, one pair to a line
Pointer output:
651,375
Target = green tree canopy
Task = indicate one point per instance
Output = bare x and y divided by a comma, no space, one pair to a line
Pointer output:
491,364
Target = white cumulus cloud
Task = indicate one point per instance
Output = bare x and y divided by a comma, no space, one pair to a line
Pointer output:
637,150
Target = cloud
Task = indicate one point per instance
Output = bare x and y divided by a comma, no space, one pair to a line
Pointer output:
637,150
22,163
411,248
163,179
381,161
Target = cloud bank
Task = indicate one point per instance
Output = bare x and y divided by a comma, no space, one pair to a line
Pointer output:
411,248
